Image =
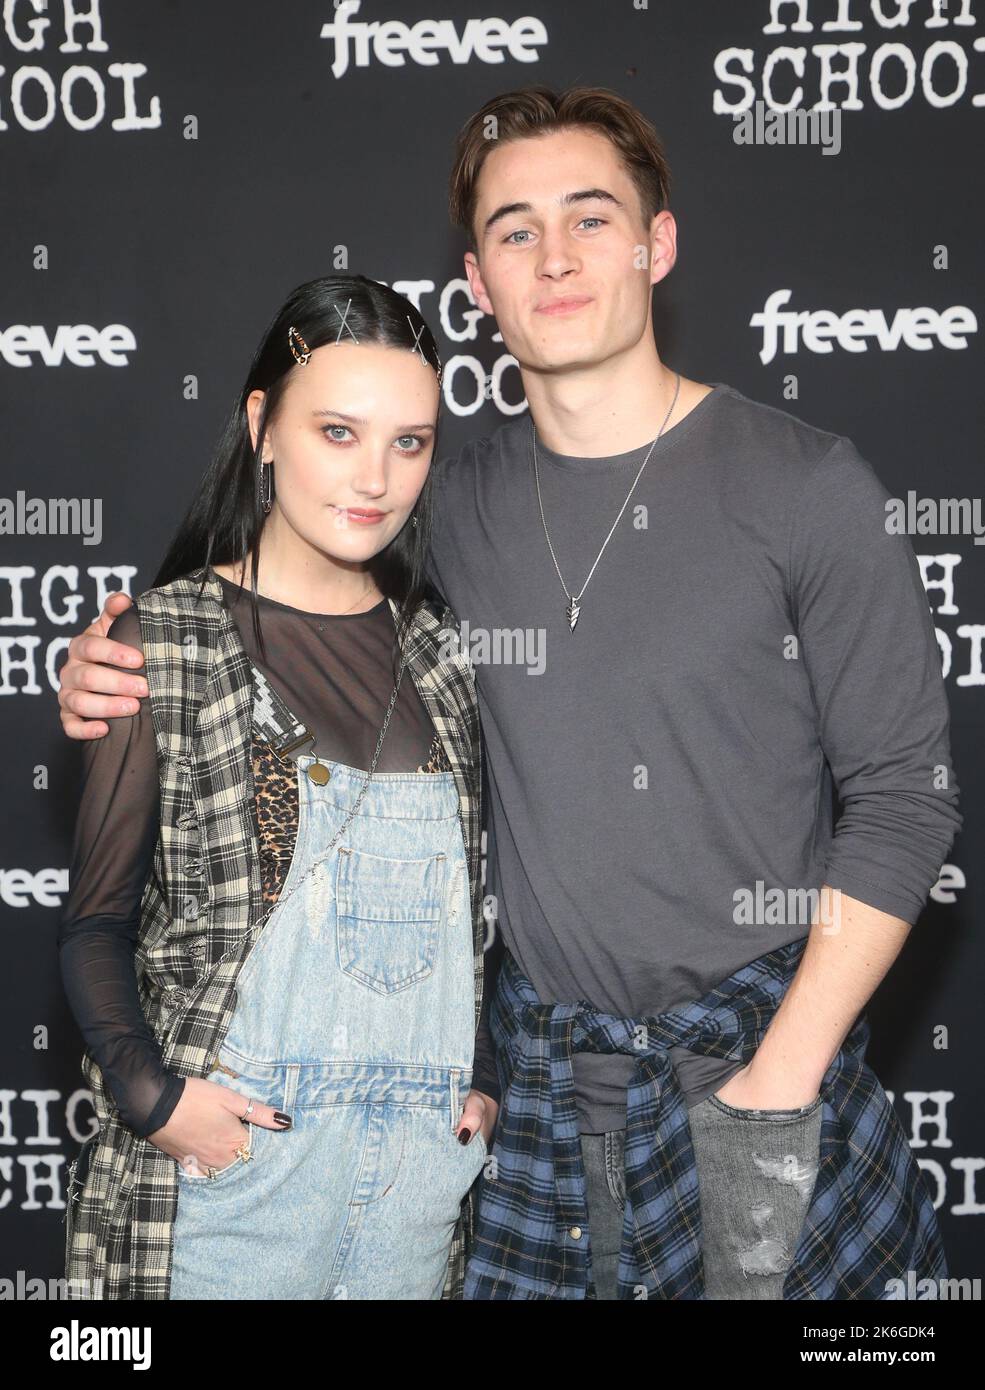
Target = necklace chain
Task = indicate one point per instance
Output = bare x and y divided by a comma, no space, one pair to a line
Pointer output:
573,608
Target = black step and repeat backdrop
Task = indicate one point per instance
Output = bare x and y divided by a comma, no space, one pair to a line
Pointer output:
170,169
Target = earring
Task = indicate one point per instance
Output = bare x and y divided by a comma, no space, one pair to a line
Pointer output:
413,520
266,486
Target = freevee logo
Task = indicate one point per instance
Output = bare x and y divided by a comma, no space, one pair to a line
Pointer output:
388,40
46,887
78,343
915,328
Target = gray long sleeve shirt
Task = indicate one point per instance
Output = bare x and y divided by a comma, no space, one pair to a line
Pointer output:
661,778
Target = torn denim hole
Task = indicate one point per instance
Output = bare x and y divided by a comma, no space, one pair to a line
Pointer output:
768,1255
791,1170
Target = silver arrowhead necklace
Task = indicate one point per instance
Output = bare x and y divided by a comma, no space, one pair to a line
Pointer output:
574,606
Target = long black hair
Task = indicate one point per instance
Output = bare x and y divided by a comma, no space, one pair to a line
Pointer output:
225,519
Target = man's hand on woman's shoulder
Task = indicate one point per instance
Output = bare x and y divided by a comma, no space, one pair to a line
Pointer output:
98,680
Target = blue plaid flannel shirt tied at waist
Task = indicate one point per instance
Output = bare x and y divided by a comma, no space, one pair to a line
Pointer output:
870,1218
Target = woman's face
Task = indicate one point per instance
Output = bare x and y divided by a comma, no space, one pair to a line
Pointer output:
350,447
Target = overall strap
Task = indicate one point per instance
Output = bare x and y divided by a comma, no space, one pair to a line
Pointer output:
274,721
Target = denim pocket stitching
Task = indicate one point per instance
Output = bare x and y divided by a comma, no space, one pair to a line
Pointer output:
755,1113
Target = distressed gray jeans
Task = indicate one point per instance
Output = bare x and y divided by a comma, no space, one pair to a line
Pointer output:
756,1175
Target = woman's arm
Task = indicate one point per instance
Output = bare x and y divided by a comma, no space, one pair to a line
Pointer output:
481,1106
112,855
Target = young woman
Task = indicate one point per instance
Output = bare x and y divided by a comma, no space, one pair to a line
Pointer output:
273,940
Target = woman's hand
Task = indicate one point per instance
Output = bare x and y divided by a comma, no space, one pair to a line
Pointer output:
205,1130
479,1112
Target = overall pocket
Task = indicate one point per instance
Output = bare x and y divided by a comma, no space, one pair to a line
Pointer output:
247,1083
253,1136
388,914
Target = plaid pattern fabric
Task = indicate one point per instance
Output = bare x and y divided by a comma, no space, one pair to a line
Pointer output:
204,898
870,1219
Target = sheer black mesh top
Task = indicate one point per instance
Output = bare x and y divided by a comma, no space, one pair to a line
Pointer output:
336,674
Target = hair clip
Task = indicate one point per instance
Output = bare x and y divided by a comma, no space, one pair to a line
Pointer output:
300,357
343,324
416,344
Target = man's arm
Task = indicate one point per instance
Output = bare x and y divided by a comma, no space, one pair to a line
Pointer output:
91,691
849,950
868,645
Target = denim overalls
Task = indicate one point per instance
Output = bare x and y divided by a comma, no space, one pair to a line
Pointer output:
355,1016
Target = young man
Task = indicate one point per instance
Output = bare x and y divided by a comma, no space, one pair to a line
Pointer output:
723,628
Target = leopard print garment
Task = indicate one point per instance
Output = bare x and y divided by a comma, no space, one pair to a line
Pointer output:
276,789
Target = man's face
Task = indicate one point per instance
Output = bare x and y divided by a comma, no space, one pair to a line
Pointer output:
567,282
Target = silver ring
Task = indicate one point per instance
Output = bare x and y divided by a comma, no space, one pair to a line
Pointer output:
247,1112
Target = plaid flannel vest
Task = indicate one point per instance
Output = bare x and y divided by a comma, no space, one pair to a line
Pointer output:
204,898
870,1218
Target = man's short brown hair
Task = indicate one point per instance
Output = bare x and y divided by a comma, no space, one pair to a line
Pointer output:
532,111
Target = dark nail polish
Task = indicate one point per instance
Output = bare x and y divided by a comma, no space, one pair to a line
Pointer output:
283,1119
465,1136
